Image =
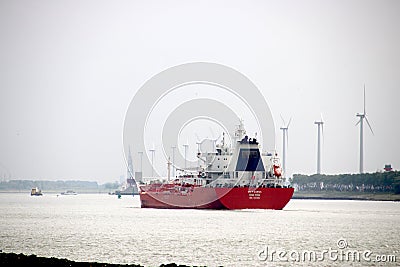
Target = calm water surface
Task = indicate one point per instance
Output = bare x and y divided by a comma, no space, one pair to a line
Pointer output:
103,228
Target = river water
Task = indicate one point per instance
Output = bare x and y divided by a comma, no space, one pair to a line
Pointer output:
103,228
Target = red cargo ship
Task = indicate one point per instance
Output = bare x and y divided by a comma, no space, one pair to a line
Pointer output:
231,178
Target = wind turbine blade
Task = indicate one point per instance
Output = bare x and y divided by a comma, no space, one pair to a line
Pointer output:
369,125
287,138
322,128
364,99
284,123
290,120
358,122
323,136
322,125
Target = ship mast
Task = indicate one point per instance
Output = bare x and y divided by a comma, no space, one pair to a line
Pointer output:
240,131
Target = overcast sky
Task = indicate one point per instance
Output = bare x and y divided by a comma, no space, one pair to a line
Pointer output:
69,69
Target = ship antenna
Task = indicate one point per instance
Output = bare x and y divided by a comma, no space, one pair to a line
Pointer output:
240,131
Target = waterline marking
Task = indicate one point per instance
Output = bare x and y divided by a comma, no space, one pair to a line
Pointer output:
342,254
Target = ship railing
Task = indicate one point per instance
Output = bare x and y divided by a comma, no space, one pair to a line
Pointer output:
280,182
231,183
273,180
149,179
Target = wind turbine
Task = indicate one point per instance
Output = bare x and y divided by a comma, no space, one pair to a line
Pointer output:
285,139
320,125
152,150
141,166
186,145
173,160
361,122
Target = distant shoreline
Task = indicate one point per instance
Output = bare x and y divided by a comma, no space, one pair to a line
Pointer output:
345,196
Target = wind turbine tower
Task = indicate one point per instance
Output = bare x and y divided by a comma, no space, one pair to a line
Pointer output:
285,140
320,125
152,150
141,161
186,148
362,116
173,160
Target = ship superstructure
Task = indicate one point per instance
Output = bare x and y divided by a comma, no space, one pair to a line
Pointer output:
229,177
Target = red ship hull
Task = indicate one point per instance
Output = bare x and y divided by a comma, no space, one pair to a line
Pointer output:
218,198
198,198
254,198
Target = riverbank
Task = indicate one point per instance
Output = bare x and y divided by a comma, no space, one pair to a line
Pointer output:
329,195
13,259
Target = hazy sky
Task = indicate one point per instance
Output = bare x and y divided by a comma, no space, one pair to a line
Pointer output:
69,69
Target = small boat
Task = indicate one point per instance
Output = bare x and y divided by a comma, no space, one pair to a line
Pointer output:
69,192
36,192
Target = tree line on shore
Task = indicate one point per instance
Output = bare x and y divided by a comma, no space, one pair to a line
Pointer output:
45,185
388,182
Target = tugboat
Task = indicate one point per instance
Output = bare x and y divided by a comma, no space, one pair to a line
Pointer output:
36,192
237,177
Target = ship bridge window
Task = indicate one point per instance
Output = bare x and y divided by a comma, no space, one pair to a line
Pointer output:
249,160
